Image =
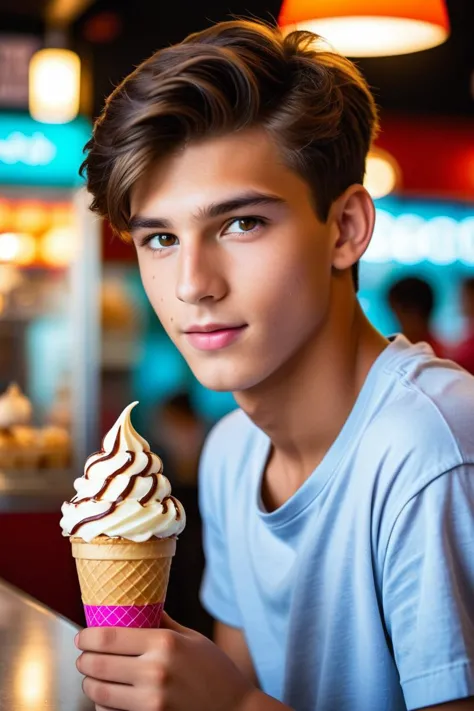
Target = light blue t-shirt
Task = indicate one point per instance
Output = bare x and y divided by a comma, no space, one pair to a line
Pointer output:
358,593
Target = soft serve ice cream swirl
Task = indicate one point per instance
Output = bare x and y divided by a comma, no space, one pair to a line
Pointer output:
123,492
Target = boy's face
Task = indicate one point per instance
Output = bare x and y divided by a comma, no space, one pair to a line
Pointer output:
240,288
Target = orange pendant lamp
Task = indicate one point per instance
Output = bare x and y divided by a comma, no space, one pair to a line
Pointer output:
370,28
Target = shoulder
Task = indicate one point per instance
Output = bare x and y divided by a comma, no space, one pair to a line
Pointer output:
228,441
226,453
422,429
428,417
449,391
229,434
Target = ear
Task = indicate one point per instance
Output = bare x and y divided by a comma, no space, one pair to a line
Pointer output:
353,217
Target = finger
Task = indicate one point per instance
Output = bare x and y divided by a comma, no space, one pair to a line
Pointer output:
108,667
168,623
113,640
111,696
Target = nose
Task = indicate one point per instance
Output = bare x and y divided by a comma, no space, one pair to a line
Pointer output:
200,274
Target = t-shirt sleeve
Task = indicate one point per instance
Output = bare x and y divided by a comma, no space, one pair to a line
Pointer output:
428,591
217,591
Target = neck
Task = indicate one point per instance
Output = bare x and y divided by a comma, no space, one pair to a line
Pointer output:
303,406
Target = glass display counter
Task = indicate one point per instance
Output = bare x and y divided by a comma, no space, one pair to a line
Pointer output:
49,311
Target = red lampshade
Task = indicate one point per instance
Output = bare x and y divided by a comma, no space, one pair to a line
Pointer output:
365,28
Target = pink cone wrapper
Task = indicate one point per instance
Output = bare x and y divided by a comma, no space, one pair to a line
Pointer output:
124,615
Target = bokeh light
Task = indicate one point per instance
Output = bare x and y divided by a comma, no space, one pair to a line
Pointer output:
58,246
17,248
54,89
382,173
31,216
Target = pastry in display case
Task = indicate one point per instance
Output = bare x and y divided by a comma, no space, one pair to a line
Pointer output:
24,446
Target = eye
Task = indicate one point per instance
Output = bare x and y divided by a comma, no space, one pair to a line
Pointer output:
243,225
159,242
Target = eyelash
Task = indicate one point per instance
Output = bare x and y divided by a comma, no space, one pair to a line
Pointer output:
261,222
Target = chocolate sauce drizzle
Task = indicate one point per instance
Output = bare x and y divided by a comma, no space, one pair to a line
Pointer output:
111,477
129,488
145,499
111,454
145,473
164,503
176,506
97,517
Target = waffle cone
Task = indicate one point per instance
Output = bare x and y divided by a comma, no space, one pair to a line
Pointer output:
115,571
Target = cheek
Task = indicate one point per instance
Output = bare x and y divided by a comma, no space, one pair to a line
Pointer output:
296,286
159,293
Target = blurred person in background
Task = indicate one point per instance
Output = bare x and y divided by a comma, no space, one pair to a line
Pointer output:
178,436
463,352
337,502
412,300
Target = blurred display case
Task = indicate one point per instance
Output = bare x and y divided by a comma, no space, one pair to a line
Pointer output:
49,303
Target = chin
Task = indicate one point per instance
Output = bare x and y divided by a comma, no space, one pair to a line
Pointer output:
226,379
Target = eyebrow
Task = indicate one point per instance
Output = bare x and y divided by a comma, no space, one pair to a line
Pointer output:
215,209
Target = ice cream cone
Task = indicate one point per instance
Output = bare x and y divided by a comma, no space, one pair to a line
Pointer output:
123,584
123,523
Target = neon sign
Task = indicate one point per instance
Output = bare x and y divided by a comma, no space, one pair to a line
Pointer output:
33,153
30,150
409,238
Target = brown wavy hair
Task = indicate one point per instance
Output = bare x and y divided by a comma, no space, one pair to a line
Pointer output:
235,75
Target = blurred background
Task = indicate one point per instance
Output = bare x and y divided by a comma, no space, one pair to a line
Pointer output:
78,340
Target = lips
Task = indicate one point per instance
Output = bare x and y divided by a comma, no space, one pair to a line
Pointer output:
212,327
212,337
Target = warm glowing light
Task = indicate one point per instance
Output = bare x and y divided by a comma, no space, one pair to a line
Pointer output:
58,246
2,303
32,683
370,28
31,217
10,278
54,85
32,674
61,214
6,215
17,248
382,173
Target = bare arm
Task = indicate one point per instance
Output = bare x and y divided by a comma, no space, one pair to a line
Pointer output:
232,641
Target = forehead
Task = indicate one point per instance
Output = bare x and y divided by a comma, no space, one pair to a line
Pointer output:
214,168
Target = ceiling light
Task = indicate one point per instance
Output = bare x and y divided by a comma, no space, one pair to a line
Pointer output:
370,28
54,85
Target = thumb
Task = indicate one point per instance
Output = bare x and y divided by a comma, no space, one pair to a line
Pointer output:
167,623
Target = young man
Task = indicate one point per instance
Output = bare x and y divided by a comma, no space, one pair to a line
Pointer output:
338,500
